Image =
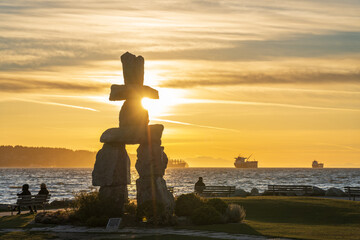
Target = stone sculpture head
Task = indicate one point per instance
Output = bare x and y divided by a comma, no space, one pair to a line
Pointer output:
133,69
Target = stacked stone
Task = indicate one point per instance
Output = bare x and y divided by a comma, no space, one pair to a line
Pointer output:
112,167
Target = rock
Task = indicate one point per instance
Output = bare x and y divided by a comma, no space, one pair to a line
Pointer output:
240,193
116,196
318,191
155,189
154,134
124,92
334,192
254,192
151,160
133,115
123,136
112,166
133,68
132,135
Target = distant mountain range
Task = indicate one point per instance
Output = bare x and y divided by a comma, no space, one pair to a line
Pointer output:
22,156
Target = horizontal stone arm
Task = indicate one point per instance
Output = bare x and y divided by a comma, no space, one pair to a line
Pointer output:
123,92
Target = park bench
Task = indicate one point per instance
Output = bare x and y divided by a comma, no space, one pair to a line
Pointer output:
30,200
292,189
218,191
352,192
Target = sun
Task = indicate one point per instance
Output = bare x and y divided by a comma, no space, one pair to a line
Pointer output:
168,99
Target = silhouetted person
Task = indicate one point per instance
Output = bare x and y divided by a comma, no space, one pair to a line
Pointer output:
43,191
25,191
199,185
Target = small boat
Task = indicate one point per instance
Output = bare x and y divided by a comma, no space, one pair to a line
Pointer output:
177,163
243,162
316,164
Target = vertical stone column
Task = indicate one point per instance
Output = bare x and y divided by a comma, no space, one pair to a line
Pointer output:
112,173
151,186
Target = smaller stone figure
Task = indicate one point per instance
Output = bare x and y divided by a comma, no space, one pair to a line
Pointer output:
199,185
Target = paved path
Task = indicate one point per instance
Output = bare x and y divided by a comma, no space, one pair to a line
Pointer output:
84,232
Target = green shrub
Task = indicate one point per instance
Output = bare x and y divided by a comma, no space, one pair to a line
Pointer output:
185,204
152,211
88,207
218,204
206,215
55,217
235,213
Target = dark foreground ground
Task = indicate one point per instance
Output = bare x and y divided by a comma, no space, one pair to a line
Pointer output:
268,217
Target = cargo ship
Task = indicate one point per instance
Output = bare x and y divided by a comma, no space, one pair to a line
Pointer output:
177,163
243,162
316,164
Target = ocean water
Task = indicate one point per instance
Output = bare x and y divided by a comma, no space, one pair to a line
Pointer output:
64,182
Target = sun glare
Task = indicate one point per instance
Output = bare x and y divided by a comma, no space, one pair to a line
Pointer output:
168,98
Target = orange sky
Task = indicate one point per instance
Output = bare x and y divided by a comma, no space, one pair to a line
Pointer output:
279,81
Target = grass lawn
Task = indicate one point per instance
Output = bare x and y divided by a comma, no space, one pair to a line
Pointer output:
295,217
16,221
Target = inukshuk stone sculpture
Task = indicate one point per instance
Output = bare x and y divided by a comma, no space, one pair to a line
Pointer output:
112,167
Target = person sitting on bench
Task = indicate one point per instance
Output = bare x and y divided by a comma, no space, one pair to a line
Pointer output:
43,191
25,191
199,185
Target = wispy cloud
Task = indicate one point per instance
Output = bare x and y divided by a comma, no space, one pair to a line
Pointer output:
230,78
56,104
21,85
269,104
194,125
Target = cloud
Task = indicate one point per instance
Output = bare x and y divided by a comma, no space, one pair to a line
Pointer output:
230,79
268,104
294,45
56,104
20,85
39,51
196,125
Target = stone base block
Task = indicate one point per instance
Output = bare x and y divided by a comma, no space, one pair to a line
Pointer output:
114,196
150,189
